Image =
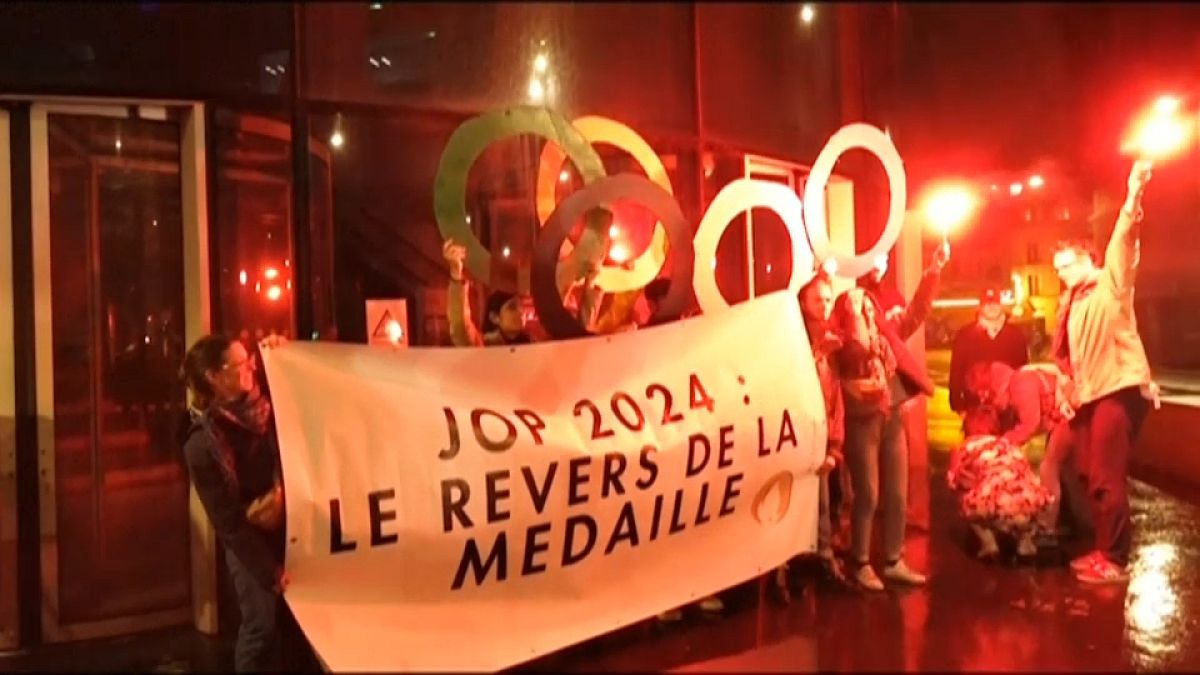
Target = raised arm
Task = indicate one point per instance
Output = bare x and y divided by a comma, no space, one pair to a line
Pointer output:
922,301
458,310
1123,252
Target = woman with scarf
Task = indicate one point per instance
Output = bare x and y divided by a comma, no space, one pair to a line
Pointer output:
874,386
232,456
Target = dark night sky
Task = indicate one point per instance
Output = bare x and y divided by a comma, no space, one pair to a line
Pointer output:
1002,85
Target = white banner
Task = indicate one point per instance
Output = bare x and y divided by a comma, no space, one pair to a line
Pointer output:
471,509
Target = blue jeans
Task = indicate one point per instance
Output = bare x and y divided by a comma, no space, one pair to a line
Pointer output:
257,644
824,520
877,456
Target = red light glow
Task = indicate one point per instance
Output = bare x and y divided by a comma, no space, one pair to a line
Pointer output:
618,253
949,206
1160,133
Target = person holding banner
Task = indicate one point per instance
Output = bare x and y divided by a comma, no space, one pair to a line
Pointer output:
816,303
232,455
879,375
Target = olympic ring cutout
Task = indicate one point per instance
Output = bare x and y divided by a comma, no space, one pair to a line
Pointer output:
465,146
557,321
604,130
876,142
738,197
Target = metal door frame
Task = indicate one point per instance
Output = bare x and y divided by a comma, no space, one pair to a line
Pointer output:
10,611
193,185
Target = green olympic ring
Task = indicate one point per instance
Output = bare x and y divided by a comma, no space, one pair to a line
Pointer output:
465,146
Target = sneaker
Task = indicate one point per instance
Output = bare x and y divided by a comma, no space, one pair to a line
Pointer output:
1026,548
988,548
1103,571
671,615
901,573
711,604
1084,561
866,579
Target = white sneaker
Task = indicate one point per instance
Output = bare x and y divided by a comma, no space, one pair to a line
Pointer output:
712,604
866,579
1026,548
902,574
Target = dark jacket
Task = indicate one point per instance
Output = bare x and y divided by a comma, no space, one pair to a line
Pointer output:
231,467
972,345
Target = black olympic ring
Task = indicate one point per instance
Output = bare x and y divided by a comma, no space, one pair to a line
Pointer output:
555,318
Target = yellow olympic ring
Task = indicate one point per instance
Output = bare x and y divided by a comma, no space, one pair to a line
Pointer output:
597,129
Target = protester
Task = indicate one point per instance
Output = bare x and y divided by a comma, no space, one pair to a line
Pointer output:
998,489
232,456
1098,346
990,338
1034,399
503,318
878,375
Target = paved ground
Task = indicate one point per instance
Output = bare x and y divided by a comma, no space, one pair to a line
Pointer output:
970,617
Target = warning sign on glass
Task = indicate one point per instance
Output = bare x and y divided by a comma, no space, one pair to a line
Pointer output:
387,322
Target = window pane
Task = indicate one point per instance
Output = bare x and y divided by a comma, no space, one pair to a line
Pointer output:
117,294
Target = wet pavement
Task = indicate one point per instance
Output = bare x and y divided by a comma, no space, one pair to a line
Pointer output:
971,616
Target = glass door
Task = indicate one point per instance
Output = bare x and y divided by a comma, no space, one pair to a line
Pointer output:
114,262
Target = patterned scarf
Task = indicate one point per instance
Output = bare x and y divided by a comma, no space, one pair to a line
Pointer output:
252,412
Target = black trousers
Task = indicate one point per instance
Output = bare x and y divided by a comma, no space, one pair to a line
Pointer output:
1106,430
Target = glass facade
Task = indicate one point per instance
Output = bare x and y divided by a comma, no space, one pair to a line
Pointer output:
300,234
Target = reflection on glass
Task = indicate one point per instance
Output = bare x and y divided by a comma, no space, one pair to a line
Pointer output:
117,297
253,227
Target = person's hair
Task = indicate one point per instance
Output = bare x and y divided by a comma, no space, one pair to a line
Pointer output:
495,302
1081,246
821,277
843,312
208,353
981,420
980,382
